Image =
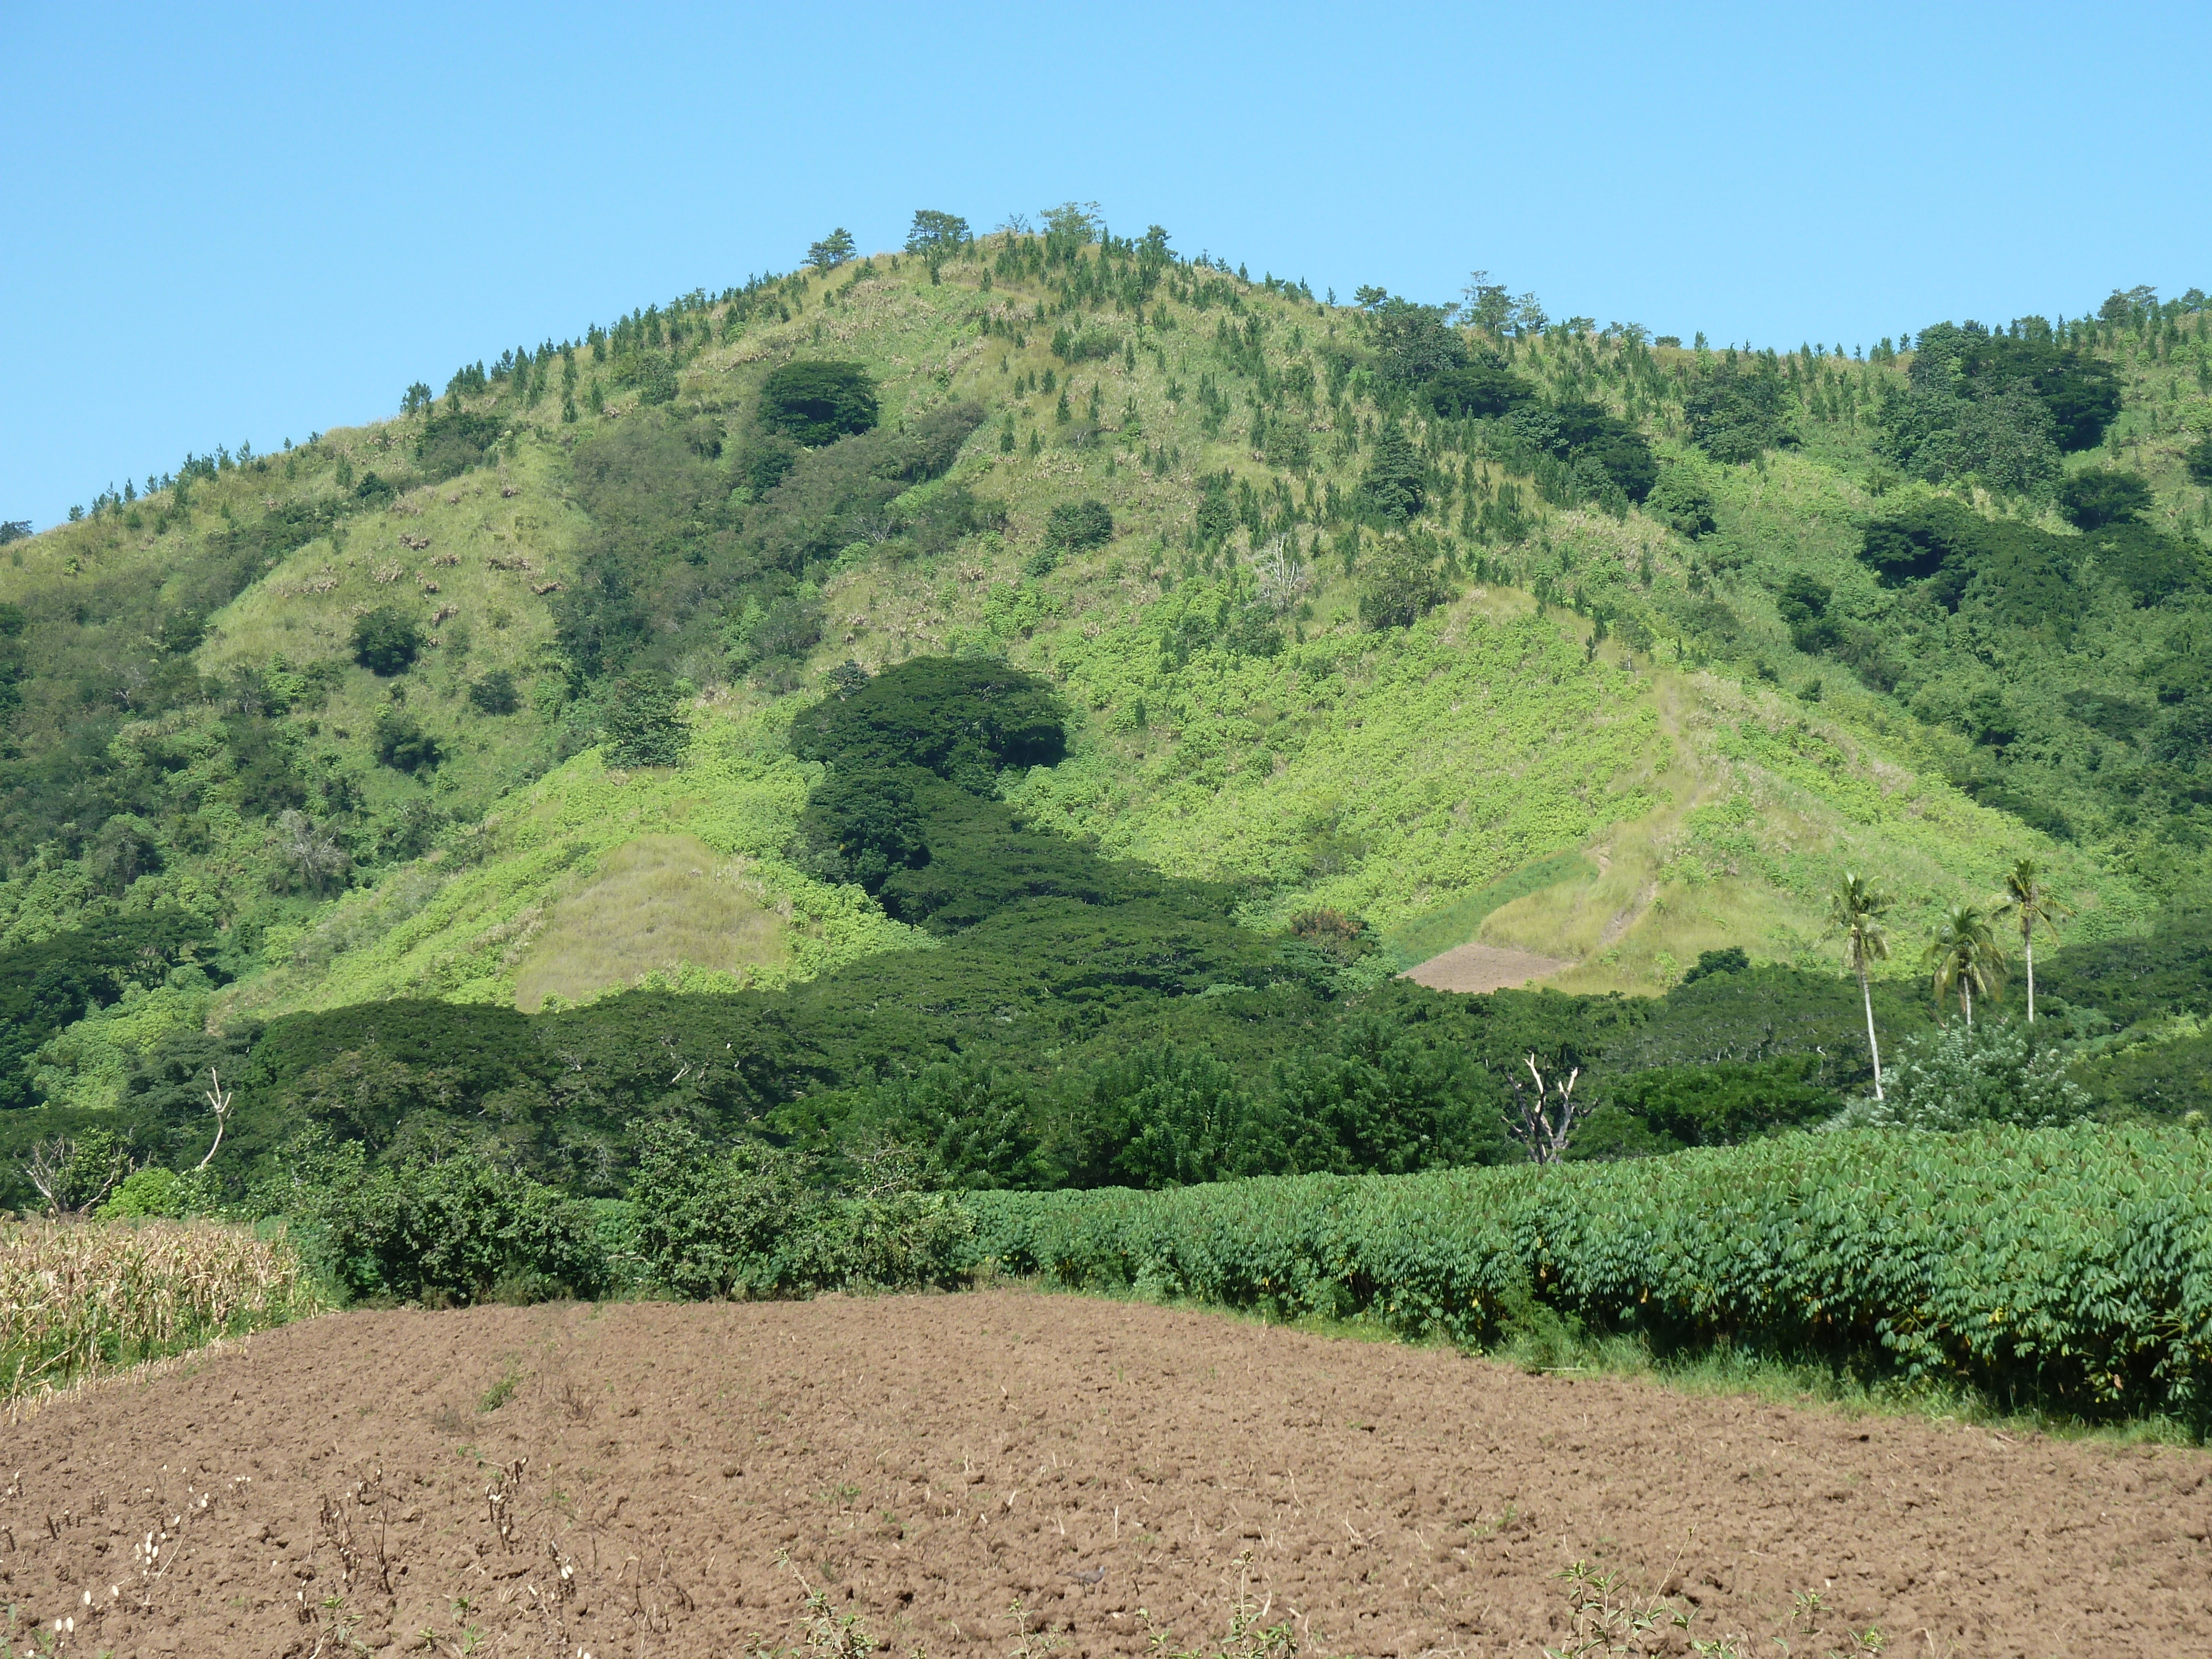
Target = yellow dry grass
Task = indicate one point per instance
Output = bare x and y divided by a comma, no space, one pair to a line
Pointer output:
660,904
77,1299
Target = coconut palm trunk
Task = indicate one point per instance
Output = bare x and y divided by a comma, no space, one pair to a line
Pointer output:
1874,1048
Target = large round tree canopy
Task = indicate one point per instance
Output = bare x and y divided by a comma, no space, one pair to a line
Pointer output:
818,403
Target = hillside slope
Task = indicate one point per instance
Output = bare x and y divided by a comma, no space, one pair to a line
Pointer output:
1345,628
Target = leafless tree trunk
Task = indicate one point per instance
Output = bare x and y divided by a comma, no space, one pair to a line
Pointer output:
1545,1119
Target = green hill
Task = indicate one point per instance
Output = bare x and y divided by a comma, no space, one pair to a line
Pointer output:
1598,647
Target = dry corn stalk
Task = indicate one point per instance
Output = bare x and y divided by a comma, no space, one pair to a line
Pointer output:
81,1298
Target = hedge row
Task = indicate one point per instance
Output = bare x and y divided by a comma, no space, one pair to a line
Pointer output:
2068,1268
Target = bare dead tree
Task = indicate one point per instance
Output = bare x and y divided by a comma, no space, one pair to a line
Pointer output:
1544,1119
218,1100
53,1164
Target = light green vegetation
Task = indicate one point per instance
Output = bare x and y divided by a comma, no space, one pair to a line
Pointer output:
661,904
545,890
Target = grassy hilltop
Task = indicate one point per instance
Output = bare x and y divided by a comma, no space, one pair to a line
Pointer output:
1439,627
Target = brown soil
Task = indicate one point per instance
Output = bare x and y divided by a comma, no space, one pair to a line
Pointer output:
1476,968
626,1480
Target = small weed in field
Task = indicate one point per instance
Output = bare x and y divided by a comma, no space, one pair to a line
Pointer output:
1248,1637
1605,1621
500,1392
1028,1643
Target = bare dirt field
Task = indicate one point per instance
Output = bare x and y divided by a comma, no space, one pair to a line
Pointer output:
1479,968
1017,1474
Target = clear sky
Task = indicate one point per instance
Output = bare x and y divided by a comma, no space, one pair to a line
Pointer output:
225,223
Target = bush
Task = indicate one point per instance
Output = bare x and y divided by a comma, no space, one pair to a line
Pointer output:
458,1230
495,693
746,1223
1999,1072
1736,414
1480,390
1402,585
645,722
1077,526
818,403
1680,501
452,443
2198,460
385,641
2093,500
402,744
654,376
1077,346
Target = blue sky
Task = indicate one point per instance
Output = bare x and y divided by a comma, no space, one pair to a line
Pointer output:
227,223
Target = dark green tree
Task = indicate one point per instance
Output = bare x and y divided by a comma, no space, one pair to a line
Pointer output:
1480,390
2197,460
1392,488
1078,525
2093,500
831,250
1413,343
936,236
1735,413
645,724
402,744
1401,586
495,693
387,642
817,402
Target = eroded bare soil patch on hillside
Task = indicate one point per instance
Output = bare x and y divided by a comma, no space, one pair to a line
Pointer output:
1014,1473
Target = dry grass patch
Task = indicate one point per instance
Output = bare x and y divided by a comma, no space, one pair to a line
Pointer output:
658,905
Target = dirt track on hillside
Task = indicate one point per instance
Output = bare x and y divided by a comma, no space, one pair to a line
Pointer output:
626,1481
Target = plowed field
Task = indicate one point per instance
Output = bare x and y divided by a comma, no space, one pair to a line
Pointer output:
1012,1474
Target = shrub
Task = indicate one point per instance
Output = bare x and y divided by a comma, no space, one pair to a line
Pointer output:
387,641
457,1230
403,744
1077,526
818,403
1481,390
746,1223
1736,414
495,693
373,491
455,441
2093,500
645,722
1999,1071
1680,500
1402,585
2198,460
655,377
1077,346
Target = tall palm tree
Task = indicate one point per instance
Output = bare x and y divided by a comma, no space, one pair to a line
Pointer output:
2026,901
1965,958
1855,908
